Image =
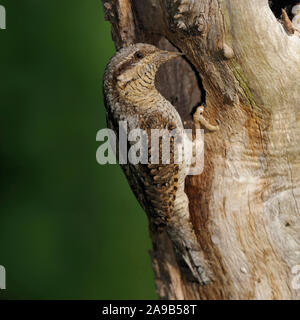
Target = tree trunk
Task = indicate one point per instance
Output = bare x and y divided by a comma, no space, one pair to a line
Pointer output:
244,66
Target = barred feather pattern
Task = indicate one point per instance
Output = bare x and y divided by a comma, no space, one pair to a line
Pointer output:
130,95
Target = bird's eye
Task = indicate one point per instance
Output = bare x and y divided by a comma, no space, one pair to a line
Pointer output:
139,55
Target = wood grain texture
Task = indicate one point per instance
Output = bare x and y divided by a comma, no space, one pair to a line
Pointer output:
244,65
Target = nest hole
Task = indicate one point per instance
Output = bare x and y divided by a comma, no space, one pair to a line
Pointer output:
179,82
277,5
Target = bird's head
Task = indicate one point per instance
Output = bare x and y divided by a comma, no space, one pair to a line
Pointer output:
138,64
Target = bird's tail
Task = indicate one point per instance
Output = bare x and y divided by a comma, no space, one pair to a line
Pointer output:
188,252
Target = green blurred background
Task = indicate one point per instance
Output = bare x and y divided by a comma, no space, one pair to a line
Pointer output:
69,228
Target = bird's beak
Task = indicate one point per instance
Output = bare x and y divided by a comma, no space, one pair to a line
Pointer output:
164,56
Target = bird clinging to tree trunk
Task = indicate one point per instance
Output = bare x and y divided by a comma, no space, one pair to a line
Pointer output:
131,96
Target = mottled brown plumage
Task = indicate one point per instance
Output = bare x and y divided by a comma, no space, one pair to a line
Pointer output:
130,95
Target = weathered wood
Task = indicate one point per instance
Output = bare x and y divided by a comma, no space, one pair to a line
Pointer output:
244,65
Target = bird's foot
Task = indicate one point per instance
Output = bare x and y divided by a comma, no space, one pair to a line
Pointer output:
200,120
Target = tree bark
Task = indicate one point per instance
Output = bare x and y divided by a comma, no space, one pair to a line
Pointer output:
241,62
